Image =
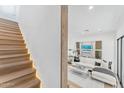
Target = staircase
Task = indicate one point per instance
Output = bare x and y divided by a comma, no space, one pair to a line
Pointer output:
16,70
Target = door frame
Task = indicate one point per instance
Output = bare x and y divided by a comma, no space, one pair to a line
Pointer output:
64,45
119,56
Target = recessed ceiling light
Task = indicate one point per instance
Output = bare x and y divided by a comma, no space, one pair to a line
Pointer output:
91,7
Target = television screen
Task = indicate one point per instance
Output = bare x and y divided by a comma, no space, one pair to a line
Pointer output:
87,47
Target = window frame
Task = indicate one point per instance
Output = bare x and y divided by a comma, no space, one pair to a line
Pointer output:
119,58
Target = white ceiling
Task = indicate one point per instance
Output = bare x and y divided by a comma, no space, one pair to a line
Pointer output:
101,18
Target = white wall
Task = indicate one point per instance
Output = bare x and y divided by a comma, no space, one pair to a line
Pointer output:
119,33
8,12
108,43
40,26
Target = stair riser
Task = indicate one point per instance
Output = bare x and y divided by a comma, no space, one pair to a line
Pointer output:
11,42
10,38
36,86
6,37
8,52
8,46
9,69
12,45
14,83
16,69
15,75
8,22
10,34
8,26
30,84
12,60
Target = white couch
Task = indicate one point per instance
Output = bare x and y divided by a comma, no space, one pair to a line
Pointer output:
90,62
105,77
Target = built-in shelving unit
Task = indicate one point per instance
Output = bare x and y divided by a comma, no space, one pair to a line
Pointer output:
78,47
95,52
98,49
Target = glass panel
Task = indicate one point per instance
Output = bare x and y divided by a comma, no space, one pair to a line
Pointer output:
123,61
119,60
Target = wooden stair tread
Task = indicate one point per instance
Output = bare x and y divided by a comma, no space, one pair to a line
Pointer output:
10,32
11,56
15,82
9,24
5,49
10,38
5,52
15,75
7,27
14,64
9,46
30,84
19,61
14,67
8,21
6,43
14,59
10,42
13,49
